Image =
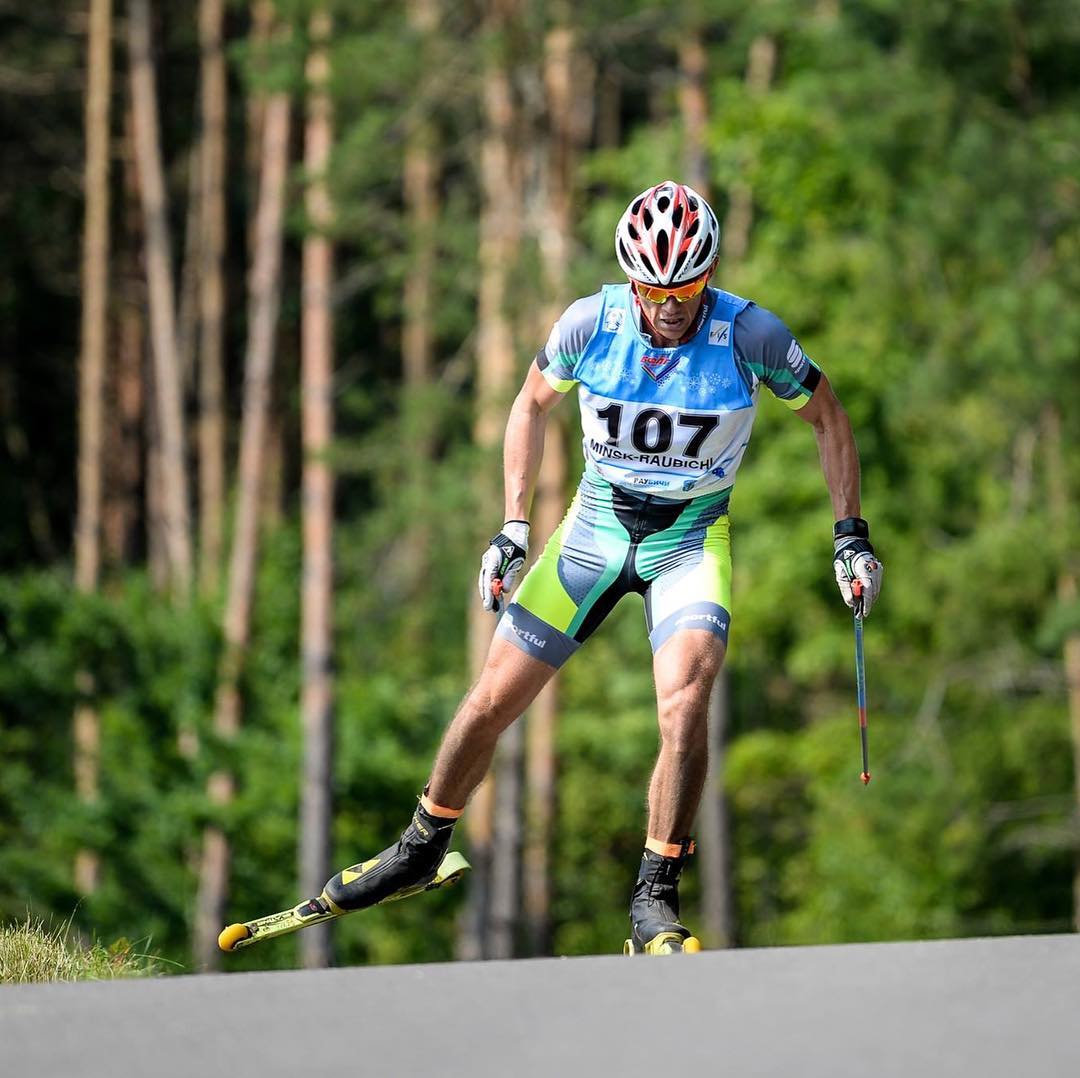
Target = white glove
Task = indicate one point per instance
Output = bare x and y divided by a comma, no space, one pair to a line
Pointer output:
854,559
501,563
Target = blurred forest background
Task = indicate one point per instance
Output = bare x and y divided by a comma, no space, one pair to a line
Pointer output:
271,273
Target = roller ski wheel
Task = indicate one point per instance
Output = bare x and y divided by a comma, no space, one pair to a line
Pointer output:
665,943
317,910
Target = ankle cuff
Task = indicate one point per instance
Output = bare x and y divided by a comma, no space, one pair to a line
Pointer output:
670,849
440,812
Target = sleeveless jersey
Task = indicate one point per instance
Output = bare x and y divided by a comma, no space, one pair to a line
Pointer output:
672,422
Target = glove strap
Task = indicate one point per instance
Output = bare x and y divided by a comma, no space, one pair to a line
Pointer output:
854,527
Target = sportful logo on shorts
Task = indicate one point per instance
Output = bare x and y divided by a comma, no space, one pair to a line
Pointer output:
711,618
658,365
524,634
719,332
613,320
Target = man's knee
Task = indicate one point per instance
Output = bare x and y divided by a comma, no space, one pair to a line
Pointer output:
507,685
683,714
485,705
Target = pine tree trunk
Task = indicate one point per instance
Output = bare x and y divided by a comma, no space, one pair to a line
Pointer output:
735,235
499,238
567,78
714,830
187,311
95,292
121,514
317,366
1063,517
420,190
211,433
502,928
713,823
262,25
169,396
543,716
420,178
262,322
693,105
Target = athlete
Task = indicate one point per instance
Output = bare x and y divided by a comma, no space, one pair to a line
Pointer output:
669,372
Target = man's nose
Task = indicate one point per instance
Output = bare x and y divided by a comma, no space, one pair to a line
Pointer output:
670,306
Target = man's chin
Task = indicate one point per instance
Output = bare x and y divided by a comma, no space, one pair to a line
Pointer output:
671,334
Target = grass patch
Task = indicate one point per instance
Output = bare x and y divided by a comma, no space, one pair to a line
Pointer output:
32,953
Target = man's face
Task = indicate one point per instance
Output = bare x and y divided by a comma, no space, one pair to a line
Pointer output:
671,320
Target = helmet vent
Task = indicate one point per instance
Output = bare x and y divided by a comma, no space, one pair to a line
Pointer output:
663,248
692,202
678,264
637,205
662,203
648,265
693,229
677,216
647,218
634,234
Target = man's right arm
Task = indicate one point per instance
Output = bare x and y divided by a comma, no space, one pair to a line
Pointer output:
549,378
523,445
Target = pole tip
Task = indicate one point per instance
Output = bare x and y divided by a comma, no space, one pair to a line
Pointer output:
865,776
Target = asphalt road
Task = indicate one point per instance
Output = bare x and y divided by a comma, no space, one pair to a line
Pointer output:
986,1008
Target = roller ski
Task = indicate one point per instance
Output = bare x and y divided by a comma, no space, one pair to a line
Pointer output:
417,862
654,907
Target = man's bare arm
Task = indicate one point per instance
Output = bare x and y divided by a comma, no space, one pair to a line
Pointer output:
836,447
523,445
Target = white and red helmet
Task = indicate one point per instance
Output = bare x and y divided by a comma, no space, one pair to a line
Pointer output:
668,235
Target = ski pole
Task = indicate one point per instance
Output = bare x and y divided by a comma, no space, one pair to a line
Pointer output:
860,675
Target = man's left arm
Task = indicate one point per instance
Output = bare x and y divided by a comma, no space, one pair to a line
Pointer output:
836,447
853,556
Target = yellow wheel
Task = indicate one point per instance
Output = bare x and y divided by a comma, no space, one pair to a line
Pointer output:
231,936
691,945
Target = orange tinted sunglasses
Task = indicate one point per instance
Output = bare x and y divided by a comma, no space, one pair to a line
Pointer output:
682,293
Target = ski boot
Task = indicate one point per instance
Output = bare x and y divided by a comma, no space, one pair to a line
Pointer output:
654,907
400,870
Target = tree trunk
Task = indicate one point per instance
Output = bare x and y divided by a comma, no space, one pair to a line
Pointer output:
420,192
262,25
124,441
187,311
500,218
126,433
420,189
713,822
735,235
693,104
540,759
95,291
1063,520
213,108
263,309
714,829
502,928
566,79
609,108
170,419
317,367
